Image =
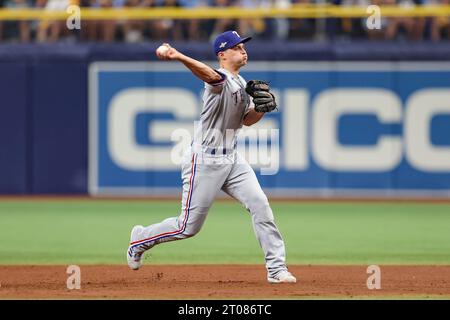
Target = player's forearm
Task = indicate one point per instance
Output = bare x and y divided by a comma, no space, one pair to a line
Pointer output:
199,69
252,117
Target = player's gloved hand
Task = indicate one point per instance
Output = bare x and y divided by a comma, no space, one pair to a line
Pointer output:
263,99
256,85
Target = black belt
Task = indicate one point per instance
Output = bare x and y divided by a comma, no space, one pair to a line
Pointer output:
214,151
217,150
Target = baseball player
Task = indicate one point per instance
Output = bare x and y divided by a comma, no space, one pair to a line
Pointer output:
211,162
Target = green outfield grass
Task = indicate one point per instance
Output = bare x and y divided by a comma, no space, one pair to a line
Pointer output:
97,232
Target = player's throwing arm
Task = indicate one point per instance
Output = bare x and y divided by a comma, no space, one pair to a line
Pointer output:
199,69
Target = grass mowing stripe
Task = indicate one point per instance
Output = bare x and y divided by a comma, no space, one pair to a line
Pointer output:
97,232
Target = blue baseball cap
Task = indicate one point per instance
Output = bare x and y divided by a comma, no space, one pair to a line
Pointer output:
228,40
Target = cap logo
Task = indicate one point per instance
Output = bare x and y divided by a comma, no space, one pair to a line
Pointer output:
236,34
223,44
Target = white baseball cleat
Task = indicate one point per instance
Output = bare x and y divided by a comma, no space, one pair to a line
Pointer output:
282,277
134,256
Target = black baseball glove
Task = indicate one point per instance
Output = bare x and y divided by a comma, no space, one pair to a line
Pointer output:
263,99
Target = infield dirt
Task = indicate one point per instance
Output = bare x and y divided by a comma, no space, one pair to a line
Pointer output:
220,282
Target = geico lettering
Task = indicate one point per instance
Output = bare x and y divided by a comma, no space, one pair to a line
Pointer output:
386,154
309,129
124,108
333,103
295,129
421,107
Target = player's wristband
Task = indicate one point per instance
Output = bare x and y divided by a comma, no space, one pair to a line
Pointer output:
218,82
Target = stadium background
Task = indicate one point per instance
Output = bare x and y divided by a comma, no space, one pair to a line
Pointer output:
53,80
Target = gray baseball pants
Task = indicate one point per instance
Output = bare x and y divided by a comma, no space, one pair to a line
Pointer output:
204,175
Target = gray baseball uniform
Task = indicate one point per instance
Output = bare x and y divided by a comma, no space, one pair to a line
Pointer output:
212,164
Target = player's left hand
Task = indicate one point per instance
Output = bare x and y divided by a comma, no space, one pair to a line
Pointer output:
263,99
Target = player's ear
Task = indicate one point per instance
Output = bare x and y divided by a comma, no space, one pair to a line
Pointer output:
221,56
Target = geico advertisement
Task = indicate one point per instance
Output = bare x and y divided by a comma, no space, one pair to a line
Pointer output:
356,127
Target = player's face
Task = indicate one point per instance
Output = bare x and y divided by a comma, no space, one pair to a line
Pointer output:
236,55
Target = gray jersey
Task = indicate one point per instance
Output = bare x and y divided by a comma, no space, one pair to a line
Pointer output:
224,107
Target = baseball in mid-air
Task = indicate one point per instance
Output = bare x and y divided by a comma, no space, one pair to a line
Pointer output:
162,50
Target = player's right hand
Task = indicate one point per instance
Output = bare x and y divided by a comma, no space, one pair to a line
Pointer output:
170,54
